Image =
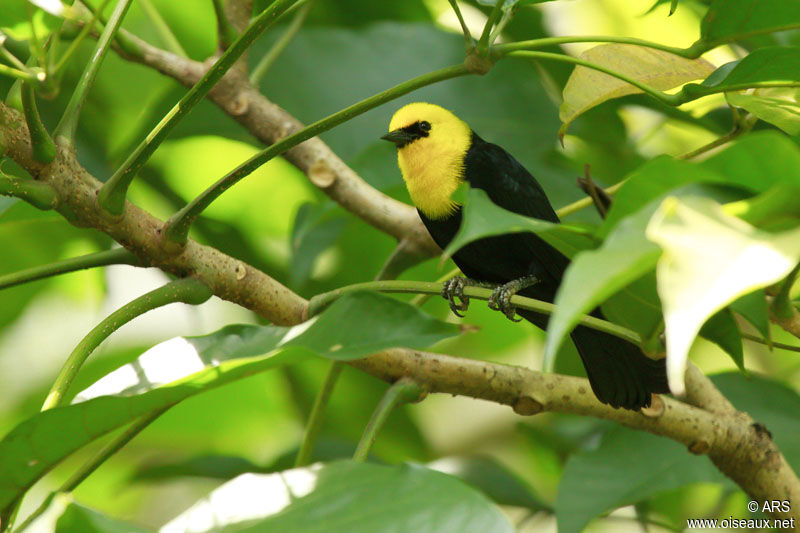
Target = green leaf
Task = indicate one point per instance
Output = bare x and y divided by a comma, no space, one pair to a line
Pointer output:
491,478
721,329
753,307
728,20
80,519
595,275
483,218
758,161
17,16
710,259
770,403
314,231
588,87
772,64
346,497
779,106
775,209
628,467
650,181
196,364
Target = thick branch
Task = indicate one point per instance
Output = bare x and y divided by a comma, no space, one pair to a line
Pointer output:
270,123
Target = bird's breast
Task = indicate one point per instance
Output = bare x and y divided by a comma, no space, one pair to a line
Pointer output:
431,176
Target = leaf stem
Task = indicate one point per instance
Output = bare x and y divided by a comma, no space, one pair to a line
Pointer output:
115,256
319,302
483,42
782,346
668,99
112,195
177,227
85,31
464,29
11,58
504,49
39,195
89,467
23,75
187,290
44,150
226,32
163,29
314,423
280,45
69,120
400,392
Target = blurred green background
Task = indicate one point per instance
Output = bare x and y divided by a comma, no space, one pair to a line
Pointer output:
280,223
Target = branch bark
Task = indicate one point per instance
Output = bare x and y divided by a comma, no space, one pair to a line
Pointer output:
739,447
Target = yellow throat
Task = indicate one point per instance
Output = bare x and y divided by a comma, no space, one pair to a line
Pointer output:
432,166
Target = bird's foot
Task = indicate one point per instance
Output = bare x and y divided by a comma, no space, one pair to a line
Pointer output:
453,292
500,300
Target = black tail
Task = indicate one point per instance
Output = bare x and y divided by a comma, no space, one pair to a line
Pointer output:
619,373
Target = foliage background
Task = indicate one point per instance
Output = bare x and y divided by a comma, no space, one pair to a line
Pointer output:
278,222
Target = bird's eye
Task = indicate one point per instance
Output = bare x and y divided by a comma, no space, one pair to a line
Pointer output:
425,126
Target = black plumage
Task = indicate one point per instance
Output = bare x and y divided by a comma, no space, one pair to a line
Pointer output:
619,373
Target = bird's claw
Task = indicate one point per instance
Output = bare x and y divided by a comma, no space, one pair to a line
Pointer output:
500,300
452,290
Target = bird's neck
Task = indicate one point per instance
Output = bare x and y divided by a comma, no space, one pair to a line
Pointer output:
432,174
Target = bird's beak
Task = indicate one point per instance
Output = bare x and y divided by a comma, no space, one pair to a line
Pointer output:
398,137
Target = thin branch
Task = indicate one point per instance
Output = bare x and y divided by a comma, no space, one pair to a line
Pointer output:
316,417
583,203
85,31
89,467
112,195
23,75
464,28
69,120
163,29
319,302
44,150
504,49
115,256
187,290
11,58
494,16
779,345
177,227
226,31
400,392
280,45
39,195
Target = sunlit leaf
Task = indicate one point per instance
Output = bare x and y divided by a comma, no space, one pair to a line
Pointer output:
780,106
628,467
184,367
344,497
587,87
727,20
710,259
484,218
773,64
774,209
594,275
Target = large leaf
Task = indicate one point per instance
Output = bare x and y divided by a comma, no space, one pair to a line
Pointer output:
753,307
483,218
588,87
773,64
779,106
651,181
628,467
346,497
595,275
758,161
727,20
722,330
710,259
181,368
492,478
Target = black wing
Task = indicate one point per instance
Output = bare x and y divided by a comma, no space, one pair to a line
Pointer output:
510,186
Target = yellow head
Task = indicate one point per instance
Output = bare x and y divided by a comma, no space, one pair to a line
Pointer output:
431,145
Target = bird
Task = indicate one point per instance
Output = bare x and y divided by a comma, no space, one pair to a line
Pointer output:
436,153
